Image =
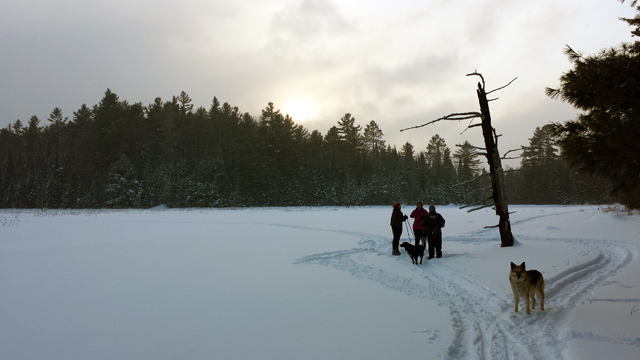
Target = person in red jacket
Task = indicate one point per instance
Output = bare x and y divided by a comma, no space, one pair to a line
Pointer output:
419,231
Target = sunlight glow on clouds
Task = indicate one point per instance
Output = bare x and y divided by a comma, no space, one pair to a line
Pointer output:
402,63
300,108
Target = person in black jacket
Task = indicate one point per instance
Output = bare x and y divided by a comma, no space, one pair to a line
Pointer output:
397,218
434,222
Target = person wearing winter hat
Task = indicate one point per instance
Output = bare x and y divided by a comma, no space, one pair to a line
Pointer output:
397,218
419,232
434,222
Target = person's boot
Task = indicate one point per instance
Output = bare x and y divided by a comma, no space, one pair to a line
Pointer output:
395,252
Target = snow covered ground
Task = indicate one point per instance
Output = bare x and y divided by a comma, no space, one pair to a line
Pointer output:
312,283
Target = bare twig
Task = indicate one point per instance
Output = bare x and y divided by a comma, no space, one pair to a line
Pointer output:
502,87
452,117
469,127
470,181
470,146
480,208
512,150
476,73
481,202
491,227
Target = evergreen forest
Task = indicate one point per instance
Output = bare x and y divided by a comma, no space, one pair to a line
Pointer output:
122,155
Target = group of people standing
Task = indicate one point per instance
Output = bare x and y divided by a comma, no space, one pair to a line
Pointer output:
427,228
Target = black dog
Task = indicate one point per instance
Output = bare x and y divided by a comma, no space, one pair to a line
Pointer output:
414,251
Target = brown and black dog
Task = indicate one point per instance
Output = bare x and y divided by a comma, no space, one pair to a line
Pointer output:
525,284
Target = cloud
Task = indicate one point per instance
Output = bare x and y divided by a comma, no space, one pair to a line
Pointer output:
309,21
400,63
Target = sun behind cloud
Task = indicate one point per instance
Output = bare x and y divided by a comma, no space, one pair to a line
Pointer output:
299,108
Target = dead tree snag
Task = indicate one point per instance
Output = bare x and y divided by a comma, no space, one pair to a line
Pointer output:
496,171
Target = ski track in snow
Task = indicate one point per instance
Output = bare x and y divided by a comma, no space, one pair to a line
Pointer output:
484,324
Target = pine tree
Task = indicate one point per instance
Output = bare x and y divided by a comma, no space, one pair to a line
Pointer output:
441,172
467,170
372,140
349,132
604,138
467,162
541,167
410,185
34,166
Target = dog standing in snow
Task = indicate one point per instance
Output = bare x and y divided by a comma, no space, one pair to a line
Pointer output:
414,251
525,284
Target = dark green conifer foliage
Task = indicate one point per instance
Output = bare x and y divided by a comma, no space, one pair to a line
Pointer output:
603,139
118,154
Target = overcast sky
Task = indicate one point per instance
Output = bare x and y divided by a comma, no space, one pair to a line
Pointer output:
398,62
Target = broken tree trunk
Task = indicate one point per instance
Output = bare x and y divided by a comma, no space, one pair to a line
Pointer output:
495,170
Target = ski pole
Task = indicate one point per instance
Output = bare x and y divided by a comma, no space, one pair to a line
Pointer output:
409,231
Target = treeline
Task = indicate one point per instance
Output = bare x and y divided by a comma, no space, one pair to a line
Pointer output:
544,177
122,155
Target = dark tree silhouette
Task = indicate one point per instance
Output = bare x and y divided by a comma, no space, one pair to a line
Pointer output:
496,172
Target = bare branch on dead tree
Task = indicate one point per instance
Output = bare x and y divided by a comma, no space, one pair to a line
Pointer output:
483,204
504,157
470,146
450,117
476,73
480,208
469,127
480,202
471,181
513,150
495,136
502,87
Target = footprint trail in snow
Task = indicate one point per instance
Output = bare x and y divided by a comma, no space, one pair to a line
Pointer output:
484,324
